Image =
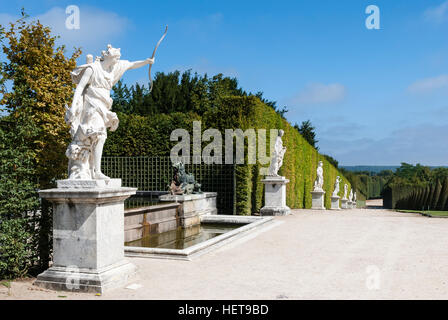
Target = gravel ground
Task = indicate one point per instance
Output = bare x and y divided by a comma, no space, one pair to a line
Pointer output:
351,254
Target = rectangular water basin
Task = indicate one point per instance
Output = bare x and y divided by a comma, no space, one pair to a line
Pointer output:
184,244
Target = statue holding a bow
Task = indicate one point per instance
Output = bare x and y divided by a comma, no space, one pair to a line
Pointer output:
90,113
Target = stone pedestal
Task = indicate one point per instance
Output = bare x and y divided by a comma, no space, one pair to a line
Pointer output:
344,203
192,206
335,203
275,196
88,236
318,200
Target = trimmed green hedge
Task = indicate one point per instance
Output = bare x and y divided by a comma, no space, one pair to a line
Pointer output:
146,135
427,196
150,136
299,165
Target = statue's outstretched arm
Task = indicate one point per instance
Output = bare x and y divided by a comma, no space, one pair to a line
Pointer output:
141,63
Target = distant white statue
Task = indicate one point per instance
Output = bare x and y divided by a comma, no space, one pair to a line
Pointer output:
319,183
350,198
90,113
277,157
345,192
336,186
354,197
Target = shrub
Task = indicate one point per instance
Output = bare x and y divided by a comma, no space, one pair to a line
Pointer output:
17,249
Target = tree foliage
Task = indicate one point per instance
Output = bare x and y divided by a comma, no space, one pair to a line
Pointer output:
181,92
308,132
39,74
41,86
19,201
417,187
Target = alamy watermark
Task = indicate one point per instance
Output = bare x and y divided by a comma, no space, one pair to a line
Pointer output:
72,281
73,20
373,20
234,146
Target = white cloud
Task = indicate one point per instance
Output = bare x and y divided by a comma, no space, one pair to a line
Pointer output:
315,93
429,84
97,27
437,14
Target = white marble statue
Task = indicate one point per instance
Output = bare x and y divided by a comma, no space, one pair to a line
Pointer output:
350,197
345,192
354,197
336,186
90,114
319,183
277,157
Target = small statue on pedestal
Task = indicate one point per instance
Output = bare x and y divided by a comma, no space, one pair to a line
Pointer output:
336,186
319,183
277,157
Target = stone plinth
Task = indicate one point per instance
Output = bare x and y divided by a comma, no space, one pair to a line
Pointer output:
88,238
192,206
318,200
344,204
335,203
275,196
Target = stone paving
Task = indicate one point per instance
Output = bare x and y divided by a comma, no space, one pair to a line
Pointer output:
347,254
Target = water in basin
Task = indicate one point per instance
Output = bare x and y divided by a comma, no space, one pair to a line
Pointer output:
184,238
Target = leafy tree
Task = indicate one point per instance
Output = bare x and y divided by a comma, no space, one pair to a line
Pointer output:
121,96
18,197
41,87
176,92
332,160
307,131
385,173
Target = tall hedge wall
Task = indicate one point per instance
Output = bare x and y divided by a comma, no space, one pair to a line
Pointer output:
299,165
150,136
427,196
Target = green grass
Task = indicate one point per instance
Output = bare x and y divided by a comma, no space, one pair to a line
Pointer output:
431,213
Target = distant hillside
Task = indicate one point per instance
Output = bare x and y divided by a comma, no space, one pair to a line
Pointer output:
377,169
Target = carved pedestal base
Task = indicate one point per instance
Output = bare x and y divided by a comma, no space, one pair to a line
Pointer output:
335,203
88,237
344,204
318,200
275,197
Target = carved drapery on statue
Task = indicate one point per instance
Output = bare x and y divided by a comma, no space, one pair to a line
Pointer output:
277,157
90,114
319,182
336,186
345,192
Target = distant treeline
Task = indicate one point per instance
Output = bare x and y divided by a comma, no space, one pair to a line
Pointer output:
176,92
417,187
368,183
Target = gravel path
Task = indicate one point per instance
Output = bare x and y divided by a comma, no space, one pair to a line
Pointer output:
351,254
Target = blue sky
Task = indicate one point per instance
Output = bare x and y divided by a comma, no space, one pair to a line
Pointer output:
376,97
